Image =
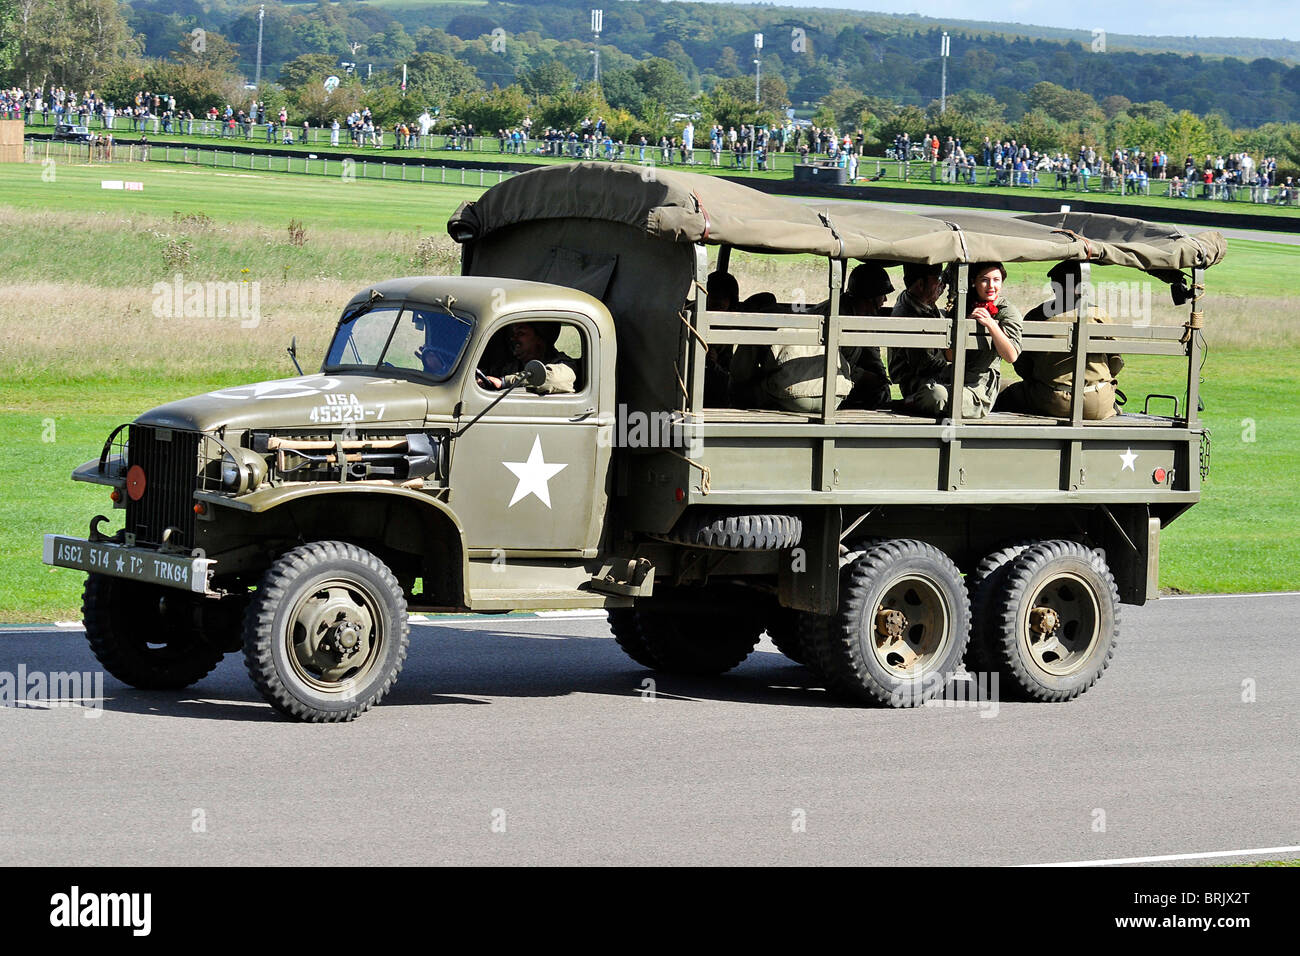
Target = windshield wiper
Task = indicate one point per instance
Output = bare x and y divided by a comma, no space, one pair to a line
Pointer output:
363,308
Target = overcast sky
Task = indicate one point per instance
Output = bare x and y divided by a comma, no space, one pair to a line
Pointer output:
1262,18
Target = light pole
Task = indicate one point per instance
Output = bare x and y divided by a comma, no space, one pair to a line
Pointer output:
597,23
758,65
261,15
943,87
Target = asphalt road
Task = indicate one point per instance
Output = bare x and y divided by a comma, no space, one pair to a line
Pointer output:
532,740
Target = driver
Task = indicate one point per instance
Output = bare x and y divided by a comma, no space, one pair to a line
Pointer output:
529,341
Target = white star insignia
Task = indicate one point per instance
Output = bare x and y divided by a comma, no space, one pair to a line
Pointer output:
533,475
120,562
1128,458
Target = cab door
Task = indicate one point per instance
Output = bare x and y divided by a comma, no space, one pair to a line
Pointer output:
532,473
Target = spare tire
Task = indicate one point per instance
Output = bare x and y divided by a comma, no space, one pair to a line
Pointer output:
708,528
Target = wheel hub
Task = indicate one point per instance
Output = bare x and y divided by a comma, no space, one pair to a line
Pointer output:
911,625
1062,626
332,633
1044,620
890,624
344,639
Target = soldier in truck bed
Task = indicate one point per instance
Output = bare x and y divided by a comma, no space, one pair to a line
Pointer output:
865,294
1047,376
910,367
722,295
1001,324
786,377
529,341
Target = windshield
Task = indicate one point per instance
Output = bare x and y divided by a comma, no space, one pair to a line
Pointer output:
427,341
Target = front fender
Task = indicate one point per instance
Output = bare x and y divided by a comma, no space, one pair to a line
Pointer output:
427,526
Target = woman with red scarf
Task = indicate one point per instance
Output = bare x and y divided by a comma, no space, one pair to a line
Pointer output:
999,324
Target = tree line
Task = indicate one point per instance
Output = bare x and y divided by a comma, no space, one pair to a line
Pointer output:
493,64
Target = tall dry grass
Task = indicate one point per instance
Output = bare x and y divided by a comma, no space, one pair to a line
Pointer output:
78,294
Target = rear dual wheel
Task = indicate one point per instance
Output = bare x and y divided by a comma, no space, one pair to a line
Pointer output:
902,626
1054,621
685,632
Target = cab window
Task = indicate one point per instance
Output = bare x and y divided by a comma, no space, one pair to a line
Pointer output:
549,340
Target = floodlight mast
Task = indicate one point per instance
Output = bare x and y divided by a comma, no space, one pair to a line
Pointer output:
597,24
261,15
943,83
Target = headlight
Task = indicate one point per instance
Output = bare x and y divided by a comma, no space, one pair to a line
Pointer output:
231,473
244,473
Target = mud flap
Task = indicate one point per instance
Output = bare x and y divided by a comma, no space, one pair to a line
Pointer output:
809,576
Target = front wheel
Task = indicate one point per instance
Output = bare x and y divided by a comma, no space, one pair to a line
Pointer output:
326,634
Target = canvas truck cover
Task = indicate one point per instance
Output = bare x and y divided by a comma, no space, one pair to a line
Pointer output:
626,235
692,207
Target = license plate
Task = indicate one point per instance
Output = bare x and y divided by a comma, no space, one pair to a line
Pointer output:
136,564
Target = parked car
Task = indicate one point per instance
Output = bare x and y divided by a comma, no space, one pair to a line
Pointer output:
77,134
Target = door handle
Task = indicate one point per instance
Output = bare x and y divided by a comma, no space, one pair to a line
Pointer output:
583,414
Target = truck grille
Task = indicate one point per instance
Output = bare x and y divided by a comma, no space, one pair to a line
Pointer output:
170,460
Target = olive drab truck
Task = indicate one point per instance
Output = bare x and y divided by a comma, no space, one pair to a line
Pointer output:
299,520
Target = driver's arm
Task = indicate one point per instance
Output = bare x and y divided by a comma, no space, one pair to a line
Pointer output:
561,377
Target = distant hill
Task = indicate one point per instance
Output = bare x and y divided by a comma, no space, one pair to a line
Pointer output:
814,51
1244,48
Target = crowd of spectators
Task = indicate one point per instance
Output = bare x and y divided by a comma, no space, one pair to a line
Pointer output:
1237,176
1127,171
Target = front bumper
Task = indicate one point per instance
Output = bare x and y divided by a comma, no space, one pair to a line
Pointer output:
181,571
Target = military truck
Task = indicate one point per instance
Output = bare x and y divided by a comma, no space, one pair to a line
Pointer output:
300,520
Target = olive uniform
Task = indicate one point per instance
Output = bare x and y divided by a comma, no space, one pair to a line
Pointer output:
983,373
788,377
1047,376
909,368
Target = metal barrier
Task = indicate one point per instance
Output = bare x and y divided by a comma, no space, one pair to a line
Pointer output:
321,137
306,165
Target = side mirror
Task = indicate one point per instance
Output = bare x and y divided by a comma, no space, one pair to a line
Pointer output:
536,373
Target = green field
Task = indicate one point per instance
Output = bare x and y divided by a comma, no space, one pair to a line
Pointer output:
83,352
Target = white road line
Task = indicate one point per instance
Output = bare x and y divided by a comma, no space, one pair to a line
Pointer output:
1208,597
498,620
1266,851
